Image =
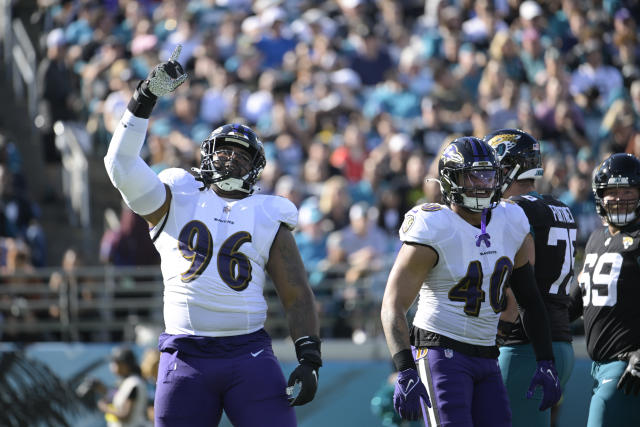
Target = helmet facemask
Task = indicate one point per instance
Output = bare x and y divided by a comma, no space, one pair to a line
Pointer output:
475,188
619,210
231,162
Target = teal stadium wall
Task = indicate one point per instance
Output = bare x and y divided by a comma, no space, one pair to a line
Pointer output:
346,386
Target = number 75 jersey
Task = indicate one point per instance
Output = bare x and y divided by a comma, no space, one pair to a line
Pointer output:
610,285
463,294
213,256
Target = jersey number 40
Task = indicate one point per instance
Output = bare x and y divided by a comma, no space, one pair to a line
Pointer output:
469,289
196,245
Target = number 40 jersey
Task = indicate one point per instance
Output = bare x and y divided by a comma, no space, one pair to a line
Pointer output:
213,255
463,294
609,284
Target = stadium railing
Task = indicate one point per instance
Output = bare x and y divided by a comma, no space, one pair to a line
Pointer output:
109,303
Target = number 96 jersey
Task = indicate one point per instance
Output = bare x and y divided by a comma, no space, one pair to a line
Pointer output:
213,255
463,294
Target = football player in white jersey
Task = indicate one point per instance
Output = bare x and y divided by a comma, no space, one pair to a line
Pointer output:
217,241
458,258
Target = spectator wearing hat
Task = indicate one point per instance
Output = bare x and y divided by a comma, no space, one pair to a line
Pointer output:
128,406
531,16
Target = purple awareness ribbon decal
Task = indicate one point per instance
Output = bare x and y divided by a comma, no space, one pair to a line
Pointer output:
484,236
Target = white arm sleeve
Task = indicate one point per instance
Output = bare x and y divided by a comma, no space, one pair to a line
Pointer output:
140,187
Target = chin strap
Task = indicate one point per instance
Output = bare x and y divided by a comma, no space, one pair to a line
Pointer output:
484,236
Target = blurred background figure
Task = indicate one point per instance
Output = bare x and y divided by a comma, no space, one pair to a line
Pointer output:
126,405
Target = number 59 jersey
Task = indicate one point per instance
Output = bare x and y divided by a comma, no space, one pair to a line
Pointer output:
213,255
463,294
610,285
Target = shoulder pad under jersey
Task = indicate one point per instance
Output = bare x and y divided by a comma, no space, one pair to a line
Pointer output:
279,209
427,224
515,217
179,180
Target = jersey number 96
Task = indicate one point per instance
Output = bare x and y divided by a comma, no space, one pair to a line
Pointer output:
196,245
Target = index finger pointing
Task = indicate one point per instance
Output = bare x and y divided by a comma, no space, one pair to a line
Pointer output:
176,53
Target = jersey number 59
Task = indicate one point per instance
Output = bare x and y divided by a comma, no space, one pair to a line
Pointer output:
599,279
196,245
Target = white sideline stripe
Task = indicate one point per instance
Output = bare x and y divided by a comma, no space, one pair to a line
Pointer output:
425,376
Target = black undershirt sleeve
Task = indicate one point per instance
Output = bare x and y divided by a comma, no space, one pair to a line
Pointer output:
535,319
575,303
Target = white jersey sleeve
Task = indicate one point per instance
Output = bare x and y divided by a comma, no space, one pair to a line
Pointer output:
427,224
179,180
518,224
282,210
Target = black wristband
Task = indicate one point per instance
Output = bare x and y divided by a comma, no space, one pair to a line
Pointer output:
142,102
308,351
403,360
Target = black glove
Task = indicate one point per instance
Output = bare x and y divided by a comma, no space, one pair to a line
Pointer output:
303,381
164,78
630,379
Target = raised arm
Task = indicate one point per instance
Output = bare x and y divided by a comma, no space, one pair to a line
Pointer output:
290,280
139,186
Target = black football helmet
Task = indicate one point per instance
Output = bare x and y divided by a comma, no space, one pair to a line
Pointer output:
232,158
470,174
519,155
619,170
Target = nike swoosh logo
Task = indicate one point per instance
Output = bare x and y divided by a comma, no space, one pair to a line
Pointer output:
551,374
607,380
257,353
409,387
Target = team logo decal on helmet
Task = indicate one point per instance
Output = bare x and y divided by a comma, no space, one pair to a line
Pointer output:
519,155
452,154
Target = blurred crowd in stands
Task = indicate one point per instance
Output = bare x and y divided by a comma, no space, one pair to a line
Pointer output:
353,100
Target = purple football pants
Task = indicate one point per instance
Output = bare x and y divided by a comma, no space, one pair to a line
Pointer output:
199,377
464,390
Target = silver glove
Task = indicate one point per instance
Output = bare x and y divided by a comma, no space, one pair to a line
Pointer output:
166,77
